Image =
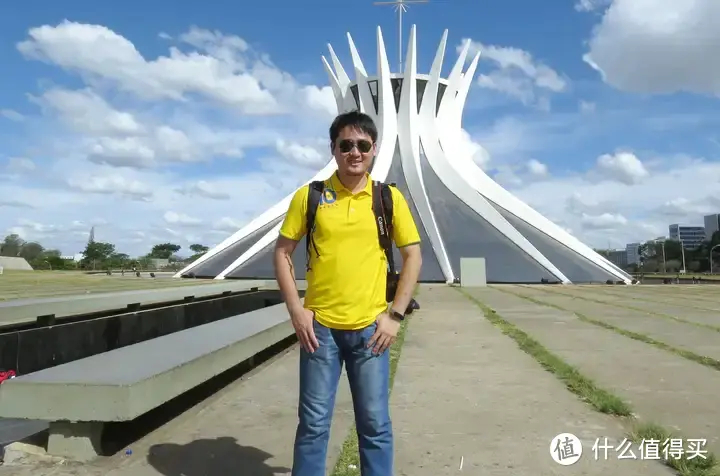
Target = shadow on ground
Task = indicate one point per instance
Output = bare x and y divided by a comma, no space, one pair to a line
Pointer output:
217,457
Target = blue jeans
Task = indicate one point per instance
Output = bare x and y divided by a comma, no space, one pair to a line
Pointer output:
369,378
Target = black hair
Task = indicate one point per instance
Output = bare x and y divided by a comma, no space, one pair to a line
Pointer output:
356,120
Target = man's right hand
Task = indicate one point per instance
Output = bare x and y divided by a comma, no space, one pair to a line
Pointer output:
302,320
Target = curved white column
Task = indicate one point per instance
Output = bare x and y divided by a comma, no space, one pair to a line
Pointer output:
361,82
414,129
387,117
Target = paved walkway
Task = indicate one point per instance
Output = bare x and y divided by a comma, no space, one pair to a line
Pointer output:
246,429
677,334
464,393
661,387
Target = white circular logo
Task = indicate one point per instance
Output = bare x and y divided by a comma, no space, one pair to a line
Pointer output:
566,449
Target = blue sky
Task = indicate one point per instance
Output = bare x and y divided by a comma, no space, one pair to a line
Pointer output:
174,121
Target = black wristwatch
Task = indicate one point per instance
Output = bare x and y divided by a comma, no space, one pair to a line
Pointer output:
396,315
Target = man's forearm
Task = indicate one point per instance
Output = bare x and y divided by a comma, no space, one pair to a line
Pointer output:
285,275
408,282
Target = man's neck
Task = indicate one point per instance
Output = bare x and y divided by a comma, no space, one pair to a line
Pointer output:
354,183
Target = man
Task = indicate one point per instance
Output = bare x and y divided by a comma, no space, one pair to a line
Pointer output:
345,317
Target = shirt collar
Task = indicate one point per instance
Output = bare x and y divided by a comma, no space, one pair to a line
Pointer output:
337,184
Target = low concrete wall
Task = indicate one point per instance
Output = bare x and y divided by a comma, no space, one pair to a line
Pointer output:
36,349
125,383
20,311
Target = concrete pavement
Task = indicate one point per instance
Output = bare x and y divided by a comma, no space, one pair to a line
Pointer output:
667,294
677,334
677,309
660,386
464,393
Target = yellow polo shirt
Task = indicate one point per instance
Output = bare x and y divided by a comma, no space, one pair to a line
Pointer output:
346,283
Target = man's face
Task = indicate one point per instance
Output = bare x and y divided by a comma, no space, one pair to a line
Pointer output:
354,151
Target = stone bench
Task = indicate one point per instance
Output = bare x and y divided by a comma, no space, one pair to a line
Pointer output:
77,398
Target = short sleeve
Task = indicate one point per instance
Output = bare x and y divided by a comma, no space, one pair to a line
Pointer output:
293,227
405,231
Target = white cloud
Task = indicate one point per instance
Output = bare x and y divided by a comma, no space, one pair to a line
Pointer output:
658,46
599,211
87,112
321,99
14,203
112,185
681,207
315,155
473,149
100,54
12,115
537,168
517,74
203,189
623,167
180,219
20,165
591,5
228,224
604,221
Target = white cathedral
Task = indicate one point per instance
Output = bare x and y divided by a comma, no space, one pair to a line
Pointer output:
460,211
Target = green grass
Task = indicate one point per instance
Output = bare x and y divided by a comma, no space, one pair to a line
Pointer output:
348,463
697,466
601,400
33,284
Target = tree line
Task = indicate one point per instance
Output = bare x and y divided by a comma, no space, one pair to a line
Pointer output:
97,255
696,260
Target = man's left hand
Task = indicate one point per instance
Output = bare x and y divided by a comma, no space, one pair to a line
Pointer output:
385,333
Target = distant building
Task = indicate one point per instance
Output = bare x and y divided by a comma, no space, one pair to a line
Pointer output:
690,236
712,224
618,257
632,252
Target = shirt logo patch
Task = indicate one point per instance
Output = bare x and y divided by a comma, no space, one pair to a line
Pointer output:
329,196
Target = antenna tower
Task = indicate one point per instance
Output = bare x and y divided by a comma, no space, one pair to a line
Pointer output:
400,7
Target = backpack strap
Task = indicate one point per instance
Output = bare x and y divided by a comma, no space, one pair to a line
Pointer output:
315,190
387,203
381,200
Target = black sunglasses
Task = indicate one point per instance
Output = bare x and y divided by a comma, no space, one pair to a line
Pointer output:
346,145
